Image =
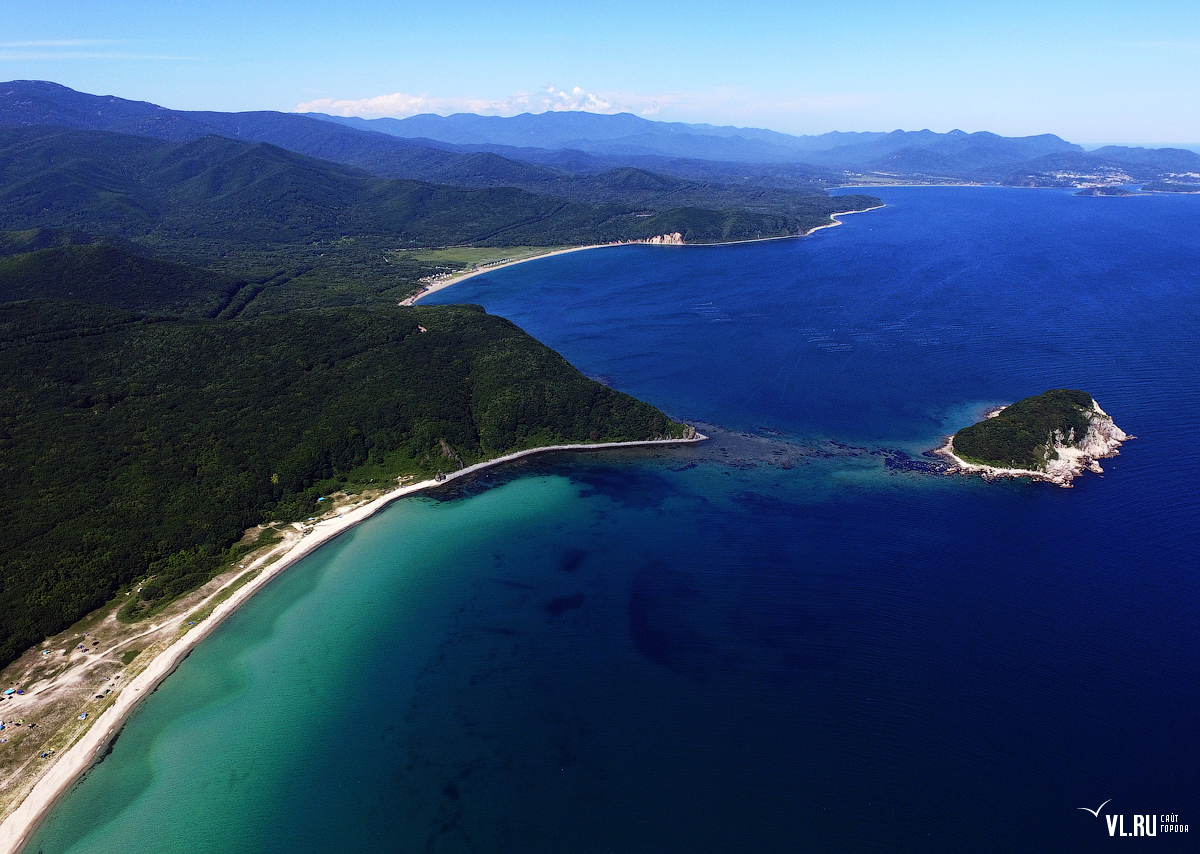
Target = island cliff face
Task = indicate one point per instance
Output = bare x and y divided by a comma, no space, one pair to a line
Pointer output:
1054,436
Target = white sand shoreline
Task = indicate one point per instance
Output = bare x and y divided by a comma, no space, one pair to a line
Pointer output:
454,279
488,268
836,221
946,452
73,762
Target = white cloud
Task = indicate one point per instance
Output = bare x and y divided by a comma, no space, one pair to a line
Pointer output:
52,50
725,105
399,105
60,43
41,56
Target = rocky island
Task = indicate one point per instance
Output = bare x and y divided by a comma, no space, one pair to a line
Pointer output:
1052,436
1097,192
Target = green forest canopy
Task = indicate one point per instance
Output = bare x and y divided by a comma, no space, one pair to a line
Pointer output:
198,336
1021,435
135,445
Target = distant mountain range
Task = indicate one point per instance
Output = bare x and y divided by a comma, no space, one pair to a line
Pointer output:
546,153
625,135
580,141
592,181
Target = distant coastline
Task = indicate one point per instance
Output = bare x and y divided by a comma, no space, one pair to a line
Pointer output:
455,278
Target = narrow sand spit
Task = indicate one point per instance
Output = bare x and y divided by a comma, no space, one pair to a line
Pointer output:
836,221
74,761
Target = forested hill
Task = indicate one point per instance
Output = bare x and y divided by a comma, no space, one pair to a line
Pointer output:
1023,434
134,446
548,153
220,190
699,185
110,276
200,333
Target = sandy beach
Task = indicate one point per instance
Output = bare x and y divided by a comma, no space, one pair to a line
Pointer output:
455,278
946,452
90,747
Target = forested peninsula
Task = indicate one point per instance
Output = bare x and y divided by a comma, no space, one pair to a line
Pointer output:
207,369
200,333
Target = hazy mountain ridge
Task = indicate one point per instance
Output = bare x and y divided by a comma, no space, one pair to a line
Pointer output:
36,103
29,103
542,152
625,133
833,157
566,129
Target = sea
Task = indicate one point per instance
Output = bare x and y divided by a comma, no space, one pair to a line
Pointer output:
800,636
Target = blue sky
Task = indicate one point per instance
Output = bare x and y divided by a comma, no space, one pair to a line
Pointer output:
1091,72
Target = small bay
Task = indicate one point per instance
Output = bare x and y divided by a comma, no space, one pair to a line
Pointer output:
798,636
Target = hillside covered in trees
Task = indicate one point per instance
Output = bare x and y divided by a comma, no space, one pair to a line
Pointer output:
199,329
135,445
1023,434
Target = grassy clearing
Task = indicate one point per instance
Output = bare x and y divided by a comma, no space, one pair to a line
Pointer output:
465,256
212,603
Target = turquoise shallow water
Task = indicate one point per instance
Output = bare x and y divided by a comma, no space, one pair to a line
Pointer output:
791,638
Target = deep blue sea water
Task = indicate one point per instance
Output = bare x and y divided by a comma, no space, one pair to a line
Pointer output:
788,639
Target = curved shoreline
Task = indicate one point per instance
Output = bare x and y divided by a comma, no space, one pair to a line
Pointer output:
488,268
459,277
836,221
90,747
961,466
73,762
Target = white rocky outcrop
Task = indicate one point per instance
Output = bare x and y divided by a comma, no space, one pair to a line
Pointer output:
1102,439
672,239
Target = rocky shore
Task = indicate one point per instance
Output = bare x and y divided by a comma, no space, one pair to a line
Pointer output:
1073,455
